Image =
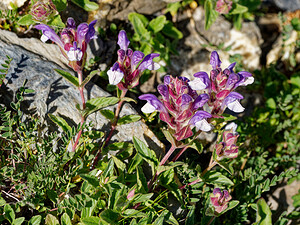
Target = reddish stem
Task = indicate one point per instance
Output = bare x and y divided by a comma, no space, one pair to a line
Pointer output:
180,153
83,107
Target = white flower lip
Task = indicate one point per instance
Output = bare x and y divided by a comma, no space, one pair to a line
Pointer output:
44,38
74,55
203,125
148,108
236,106
114,77
197,84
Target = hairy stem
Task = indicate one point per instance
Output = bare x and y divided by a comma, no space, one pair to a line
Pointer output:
83,107
180,153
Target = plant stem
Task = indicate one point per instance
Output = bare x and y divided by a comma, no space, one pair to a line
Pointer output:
211,220
162,162
113,127
212,163
116,117
180,153
83,107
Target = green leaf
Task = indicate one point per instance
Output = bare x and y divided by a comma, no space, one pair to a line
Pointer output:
295,80
26,20
158,23
190,219
109,216
238,9
128,119
147,154
96,104
108,114
52,195
35,220
69,77
137,160
210,14
109,169
119,163
56,22
171,31
141,198
231,205
9,213
126,99
263,214
214,177
133,213
90,179
92,220
60,122
51,220
86,5
89,77
270,103
141,180
171,165
60,5
140,16
139,26
18,221
65,219
226,166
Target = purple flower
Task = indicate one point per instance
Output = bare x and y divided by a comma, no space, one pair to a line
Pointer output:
223,6
72,42
132,64
220,200
220,85
232,102
179,107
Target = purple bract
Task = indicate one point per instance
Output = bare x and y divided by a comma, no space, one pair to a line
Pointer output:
179,106
220,199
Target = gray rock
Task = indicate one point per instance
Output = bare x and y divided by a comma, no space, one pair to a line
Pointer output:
55,95
287,5
122,8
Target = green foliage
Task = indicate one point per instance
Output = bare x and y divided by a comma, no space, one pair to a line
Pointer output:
4,70
157,35
87,5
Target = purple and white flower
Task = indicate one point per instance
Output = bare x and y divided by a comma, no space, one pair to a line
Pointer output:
72,42
220,85
131,65
179,106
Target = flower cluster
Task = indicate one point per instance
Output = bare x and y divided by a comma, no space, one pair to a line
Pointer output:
125,73
72,42
223,6
220,200
228,148
179,107
41,10
220,85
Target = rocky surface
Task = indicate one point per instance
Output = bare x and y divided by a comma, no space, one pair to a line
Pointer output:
35,61
194,54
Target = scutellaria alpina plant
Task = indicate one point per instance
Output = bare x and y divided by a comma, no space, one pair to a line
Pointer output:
179,106
220,86
126,72
73,44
